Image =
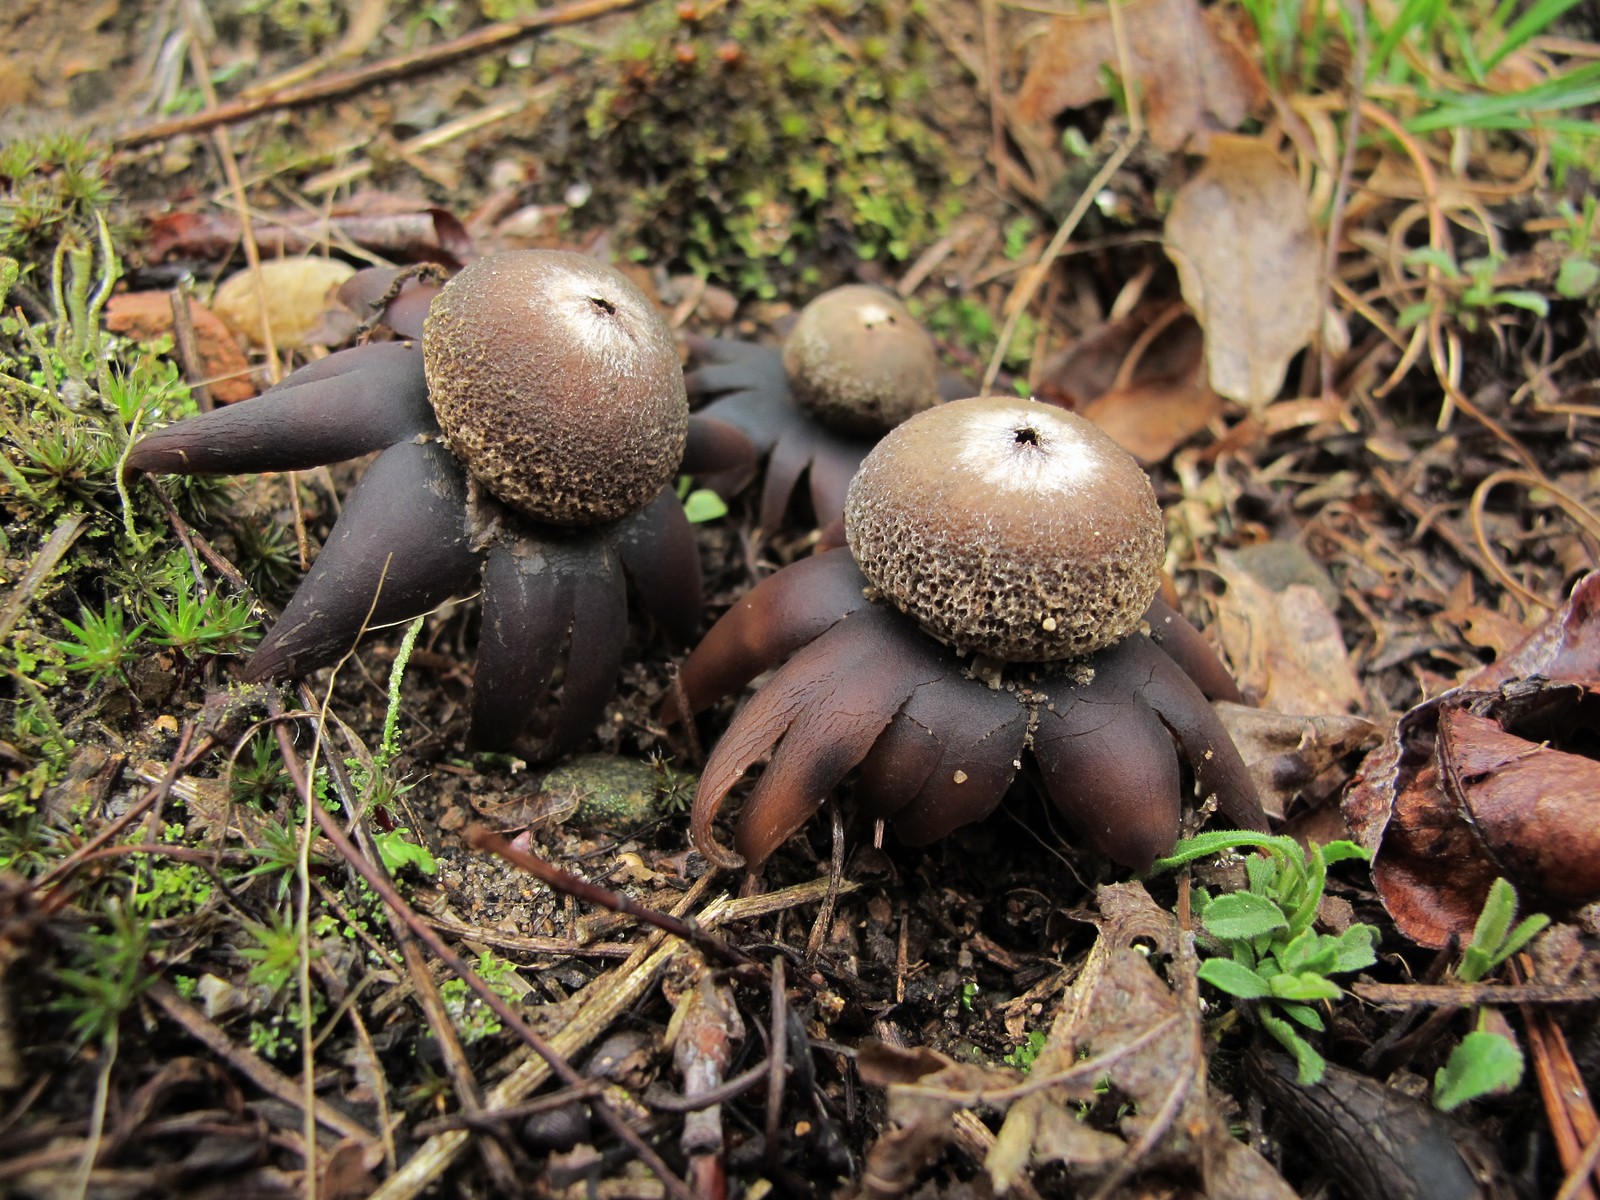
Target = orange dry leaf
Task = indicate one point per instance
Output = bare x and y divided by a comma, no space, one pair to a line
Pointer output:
146,316
1190,77
1250,264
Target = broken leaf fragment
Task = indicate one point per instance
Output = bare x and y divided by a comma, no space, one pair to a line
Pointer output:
1190,75
1250,264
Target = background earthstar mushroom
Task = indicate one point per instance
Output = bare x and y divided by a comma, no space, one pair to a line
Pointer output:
996,603
533,436
855,365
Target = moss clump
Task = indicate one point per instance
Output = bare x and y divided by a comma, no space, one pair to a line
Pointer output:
608,792
738,143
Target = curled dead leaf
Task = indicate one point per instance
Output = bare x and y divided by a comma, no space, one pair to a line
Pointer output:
1250,264
1489,779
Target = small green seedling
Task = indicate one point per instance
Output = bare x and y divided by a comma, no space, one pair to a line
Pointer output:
398,851
700,504
1472,289
1263,948
1486,1061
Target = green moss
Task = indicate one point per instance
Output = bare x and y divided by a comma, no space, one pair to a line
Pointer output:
741,145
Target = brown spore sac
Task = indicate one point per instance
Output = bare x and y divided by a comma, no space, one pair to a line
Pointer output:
557,384
1009,529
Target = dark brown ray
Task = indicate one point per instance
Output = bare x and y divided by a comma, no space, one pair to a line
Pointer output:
402,538
774,619
787,462
1110,766
599,632
1199,731
656,545
718,449
827,711
1187,647
834,463
527,611
349,404
405,313
983,730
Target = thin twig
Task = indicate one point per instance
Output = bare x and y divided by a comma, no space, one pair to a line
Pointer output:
331,87
481,838
380,883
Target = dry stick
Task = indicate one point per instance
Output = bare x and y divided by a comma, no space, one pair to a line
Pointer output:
777,1052
54,549
380,883
344,83
1465,995
265,1077
1341,190
612,994
1568,1109
481,838
824,922
186,341
433,1010
1022,295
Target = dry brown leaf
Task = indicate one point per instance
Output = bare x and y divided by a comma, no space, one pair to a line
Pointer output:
1190,76
1285,645
1490,779
296,290
1287,752
1151,420
1250,264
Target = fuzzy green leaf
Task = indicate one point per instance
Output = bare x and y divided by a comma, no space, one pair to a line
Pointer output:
1243,915
1481,1064
1355,949
1234,978
1304,986
1309,952
1311,1064
1303,1013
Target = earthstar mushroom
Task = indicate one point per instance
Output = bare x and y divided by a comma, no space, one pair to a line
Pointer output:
855,364
532,437
956,637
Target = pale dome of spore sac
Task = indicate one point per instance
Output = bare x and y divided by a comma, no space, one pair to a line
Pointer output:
1008,528
557,384
859,361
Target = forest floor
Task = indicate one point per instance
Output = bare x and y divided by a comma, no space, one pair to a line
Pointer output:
1330,273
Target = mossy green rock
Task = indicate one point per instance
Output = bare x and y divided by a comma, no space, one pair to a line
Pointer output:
612,792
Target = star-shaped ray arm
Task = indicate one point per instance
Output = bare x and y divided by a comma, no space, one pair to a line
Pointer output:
718,451
599,632
1187,647
656,545
401,541
834,463
347,405
774,619
822,718
1206,745
742,384
785,465
981,735
365,290
548,597
1110,767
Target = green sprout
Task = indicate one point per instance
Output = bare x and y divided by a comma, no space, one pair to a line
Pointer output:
1485,1061
1263,949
